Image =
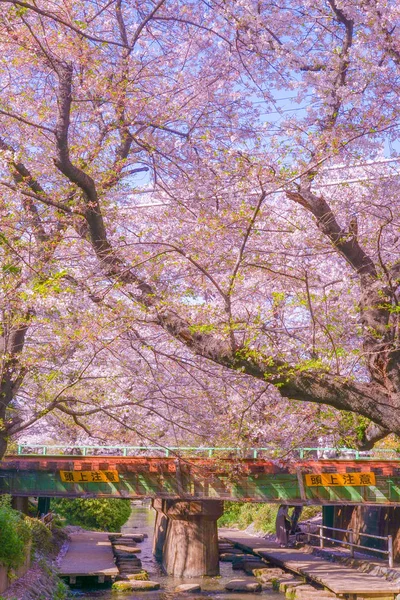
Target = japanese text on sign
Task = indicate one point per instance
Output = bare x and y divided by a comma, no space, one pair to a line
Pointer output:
342,479
89,476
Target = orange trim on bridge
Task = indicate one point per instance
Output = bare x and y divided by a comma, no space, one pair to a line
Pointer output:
385,468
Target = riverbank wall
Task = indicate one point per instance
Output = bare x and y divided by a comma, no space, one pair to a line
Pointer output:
8,576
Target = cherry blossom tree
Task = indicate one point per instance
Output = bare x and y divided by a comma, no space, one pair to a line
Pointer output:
153,187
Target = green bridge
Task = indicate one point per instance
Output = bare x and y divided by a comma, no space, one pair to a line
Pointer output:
255,475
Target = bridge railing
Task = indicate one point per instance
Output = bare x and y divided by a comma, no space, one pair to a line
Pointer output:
339,453
350,542
321,452
44,449
264,452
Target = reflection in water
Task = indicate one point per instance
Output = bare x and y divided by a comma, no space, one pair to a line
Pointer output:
142,521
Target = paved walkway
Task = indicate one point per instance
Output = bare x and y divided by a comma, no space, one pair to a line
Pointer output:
338,578
89,554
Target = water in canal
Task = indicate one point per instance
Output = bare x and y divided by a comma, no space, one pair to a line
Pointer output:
142,521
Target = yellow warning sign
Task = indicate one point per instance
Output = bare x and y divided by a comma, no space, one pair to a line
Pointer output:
340,479
89,476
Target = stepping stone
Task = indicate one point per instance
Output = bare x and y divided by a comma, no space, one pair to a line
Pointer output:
125,544
129,549
243,585
141,576
134,537
267,574
287,579
284,586
229,557
248,560
135,586
188,587
250,567
225,544
129,574
307,592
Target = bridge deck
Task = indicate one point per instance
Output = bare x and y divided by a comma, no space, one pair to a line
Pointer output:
331,482
89,554
339,579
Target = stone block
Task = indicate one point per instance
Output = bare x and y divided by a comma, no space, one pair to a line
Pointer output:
243,585
127,549
277,581
289,583
229,557
307,592
188,587
135,586
250,566
141,576
247,561
267,574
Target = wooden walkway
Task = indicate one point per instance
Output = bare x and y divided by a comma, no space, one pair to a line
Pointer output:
341,580
89,555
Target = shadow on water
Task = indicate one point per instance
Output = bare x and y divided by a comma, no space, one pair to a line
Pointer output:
142,521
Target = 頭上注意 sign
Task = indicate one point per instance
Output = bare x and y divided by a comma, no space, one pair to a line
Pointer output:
89,476
340,479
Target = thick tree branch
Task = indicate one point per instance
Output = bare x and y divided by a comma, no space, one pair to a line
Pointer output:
346,244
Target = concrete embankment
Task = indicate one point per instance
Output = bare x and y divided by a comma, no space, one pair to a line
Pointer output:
40,581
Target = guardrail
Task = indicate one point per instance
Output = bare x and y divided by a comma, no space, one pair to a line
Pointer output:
329,452
340,453
350,543
42,450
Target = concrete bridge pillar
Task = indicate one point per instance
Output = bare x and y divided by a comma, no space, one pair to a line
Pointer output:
43,506
160,528
20,503
188,536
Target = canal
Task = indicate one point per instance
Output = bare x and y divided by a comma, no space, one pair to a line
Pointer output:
142,521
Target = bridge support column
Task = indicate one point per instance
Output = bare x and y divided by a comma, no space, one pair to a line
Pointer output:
43,505
20,503
160,528
190,547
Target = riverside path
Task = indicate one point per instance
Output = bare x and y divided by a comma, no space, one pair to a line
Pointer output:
89,555
343,581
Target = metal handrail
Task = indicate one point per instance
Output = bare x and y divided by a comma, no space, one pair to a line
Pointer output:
358,454
350,543
85,450
368,535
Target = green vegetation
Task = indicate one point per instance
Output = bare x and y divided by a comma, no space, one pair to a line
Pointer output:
42,538
106,514
61,591
241,515
142,576
15,535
